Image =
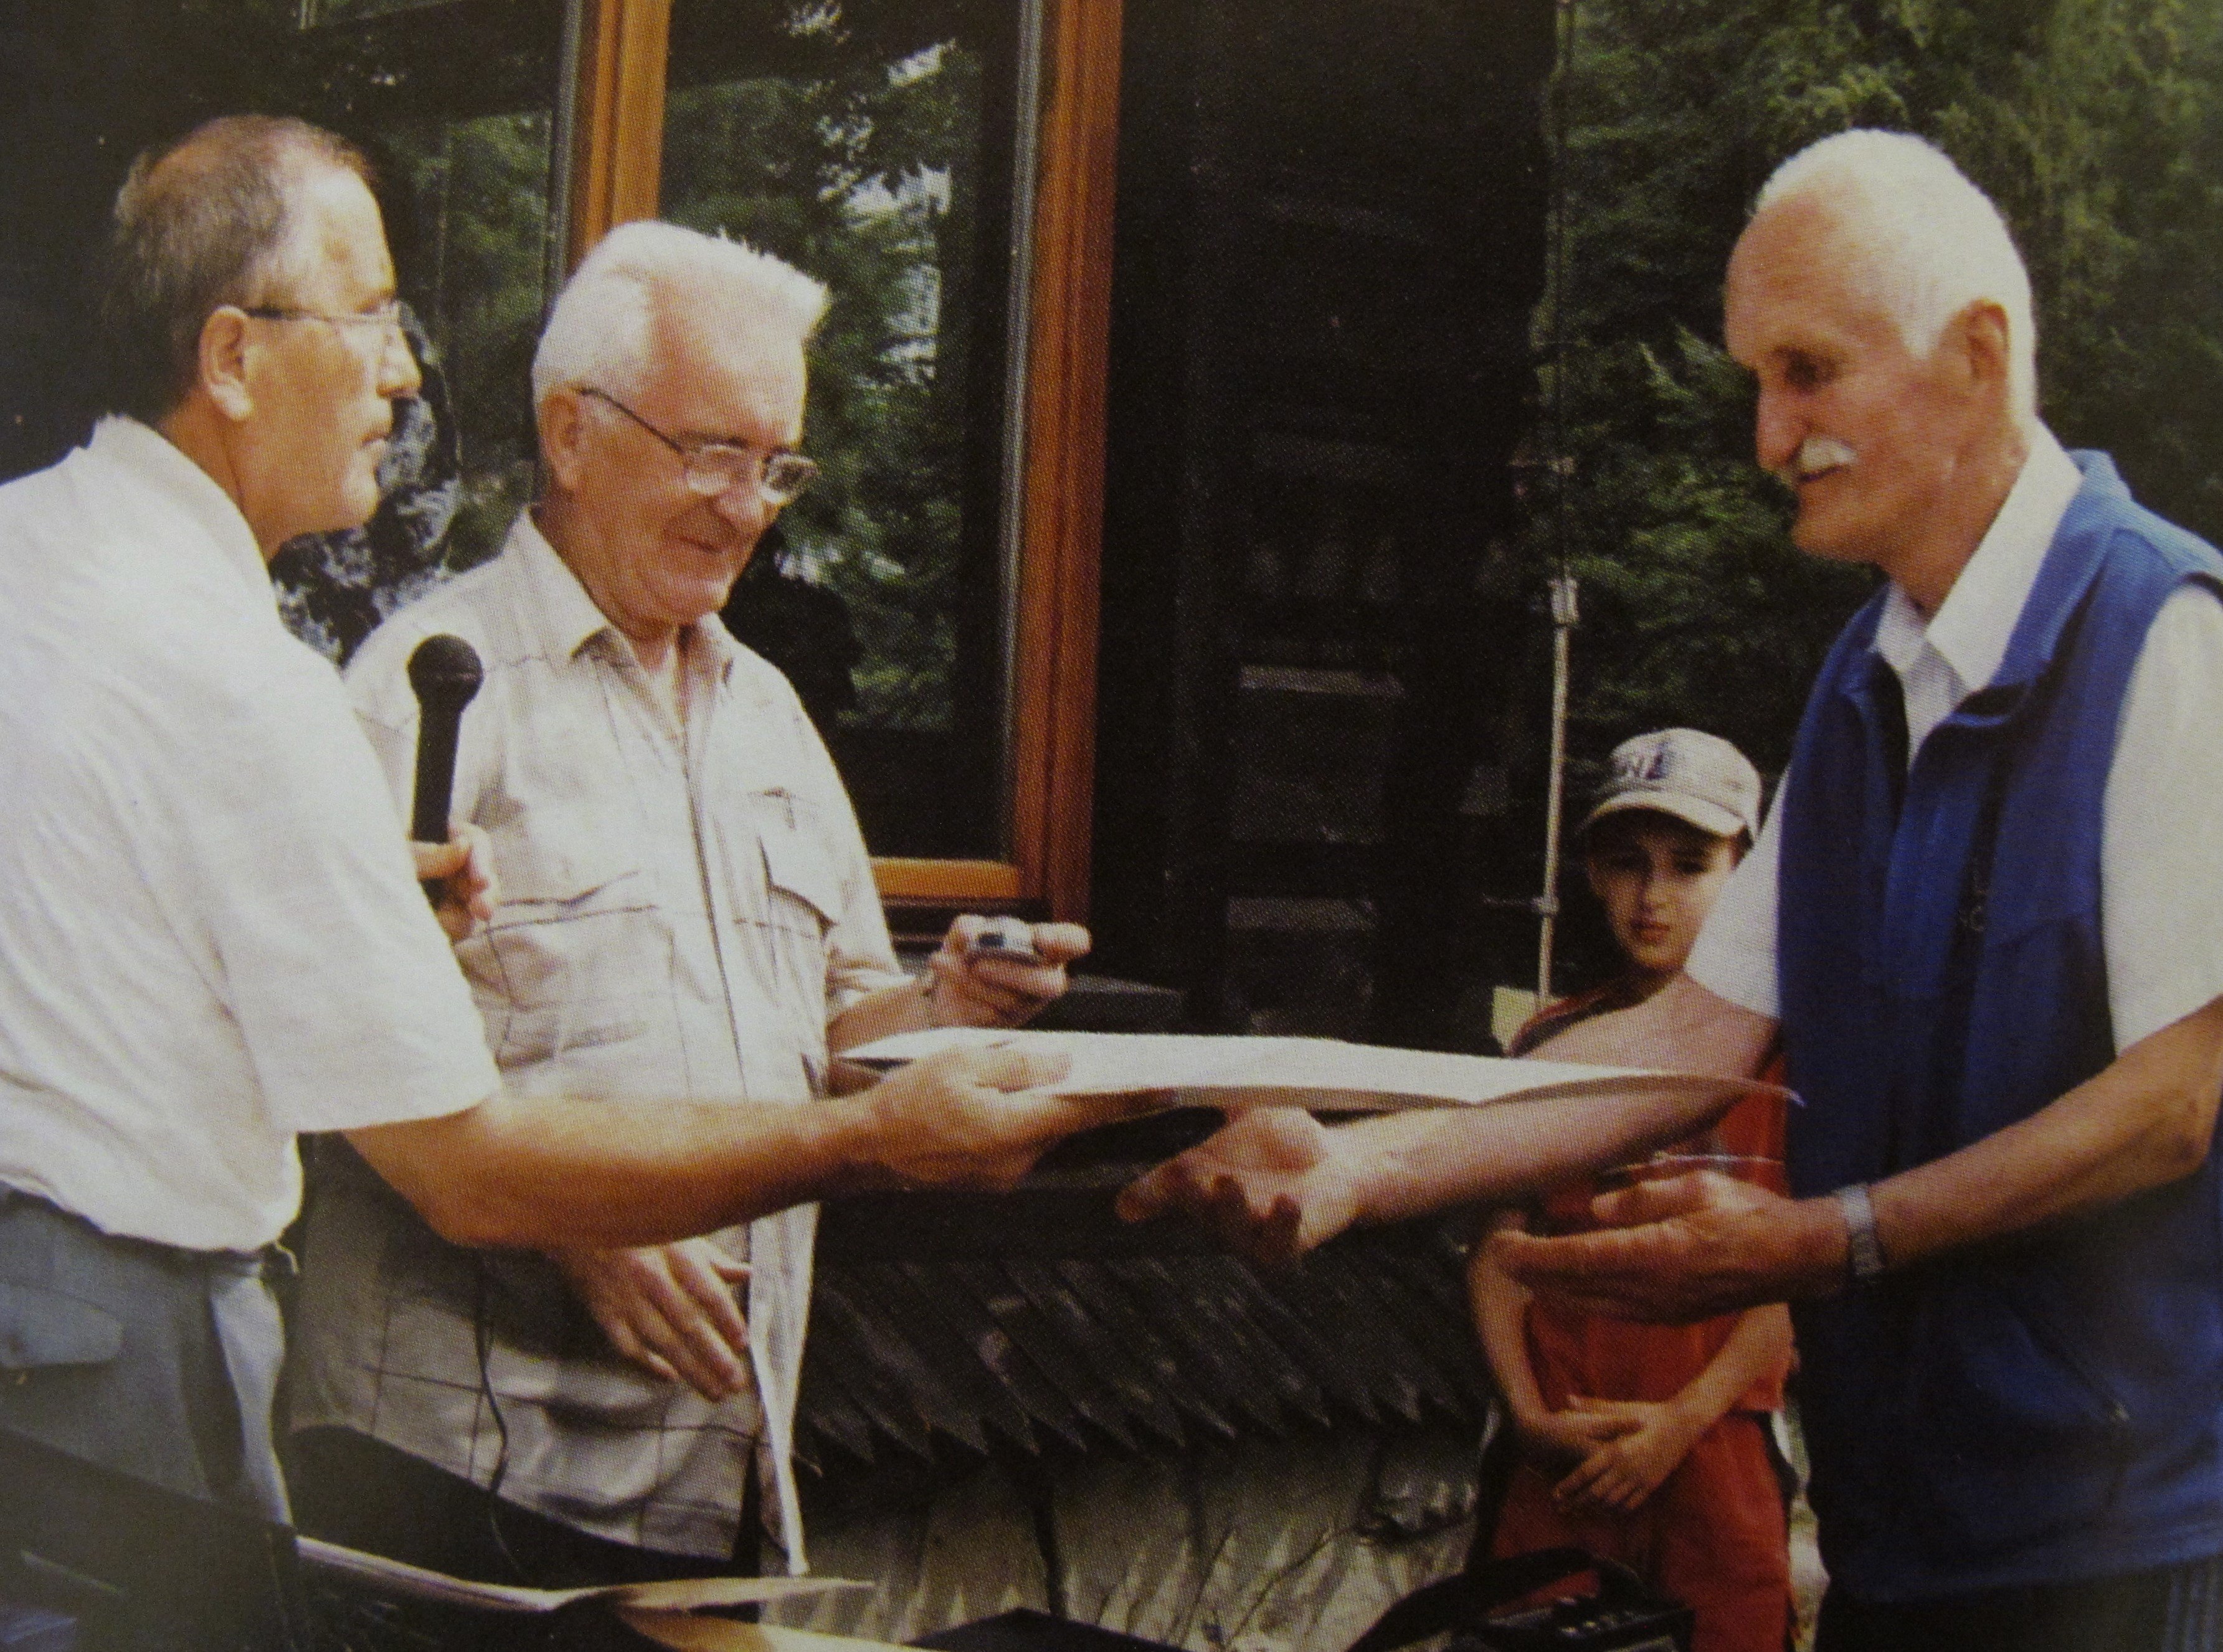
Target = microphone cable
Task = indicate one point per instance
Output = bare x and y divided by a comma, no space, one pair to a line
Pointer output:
481,1344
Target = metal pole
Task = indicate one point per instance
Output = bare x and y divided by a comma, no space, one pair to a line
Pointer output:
1563,616
1561,467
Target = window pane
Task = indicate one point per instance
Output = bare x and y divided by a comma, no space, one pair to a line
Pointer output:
453,99
869,142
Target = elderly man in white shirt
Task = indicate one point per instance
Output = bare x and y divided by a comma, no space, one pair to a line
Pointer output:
1987,917
686,908
212,937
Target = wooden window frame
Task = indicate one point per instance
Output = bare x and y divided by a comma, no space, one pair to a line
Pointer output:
616,158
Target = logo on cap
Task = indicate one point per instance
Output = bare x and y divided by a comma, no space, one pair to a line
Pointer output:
1684,772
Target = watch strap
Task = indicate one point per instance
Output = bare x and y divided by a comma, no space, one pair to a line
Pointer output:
1863,1250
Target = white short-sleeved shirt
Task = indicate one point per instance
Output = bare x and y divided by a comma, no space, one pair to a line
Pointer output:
2161,850
210,934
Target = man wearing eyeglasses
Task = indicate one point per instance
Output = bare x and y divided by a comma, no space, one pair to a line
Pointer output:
213,937
686,908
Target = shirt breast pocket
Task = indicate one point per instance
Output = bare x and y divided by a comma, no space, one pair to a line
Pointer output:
802,903
806,891
576,933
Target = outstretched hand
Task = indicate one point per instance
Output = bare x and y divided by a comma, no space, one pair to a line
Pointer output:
1271,1184
974,1118
1685,1248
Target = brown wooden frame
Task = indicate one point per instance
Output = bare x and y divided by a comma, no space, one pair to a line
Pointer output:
616,160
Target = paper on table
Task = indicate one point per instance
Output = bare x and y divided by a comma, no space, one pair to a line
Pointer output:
395,1579
1324,1073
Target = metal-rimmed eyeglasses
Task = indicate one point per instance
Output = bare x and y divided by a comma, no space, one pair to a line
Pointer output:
387,319
716,467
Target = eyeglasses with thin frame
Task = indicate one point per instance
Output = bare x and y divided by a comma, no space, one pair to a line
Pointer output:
715,468
386,319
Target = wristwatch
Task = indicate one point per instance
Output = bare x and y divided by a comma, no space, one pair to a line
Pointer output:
1863,1250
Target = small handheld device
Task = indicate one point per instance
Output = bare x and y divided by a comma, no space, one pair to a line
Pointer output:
1006,936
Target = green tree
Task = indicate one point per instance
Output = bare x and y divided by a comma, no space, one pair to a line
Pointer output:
864,172
2098,127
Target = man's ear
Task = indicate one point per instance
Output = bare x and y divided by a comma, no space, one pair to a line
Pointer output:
221,362
562,420
1980,333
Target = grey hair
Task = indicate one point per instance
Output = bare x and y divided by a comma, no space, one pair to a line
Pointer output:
601,331
1930,242
200,222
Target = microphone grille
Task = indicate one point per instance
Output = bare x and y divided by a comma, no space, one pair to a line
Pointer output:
445,666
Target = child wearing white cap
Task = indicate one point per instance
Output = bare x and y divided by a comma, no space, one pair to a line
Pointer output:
1647,1443
1678,810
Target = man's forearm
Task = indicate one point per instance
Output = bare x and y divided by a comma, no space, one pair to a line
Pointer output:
1408,1164
905,1007
2143,1121
567,1172
1683,1027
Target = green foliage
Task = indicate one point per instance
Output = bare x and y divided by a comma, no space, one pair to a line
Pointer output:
2098,127
864,173
481,191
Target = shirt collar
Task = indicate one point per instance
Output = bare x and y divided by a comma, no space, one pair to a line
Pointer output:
151,460
1972,627
564,614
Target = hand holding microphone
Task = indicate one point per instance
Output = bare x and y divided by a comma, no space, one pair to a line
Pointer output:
445,672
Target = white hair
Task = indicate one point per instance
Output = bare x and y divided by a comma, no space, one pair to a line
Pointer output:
1929,242
602,331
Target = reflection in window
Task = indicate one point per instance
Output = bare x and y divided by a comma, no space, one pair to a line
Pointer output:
454,101
870,143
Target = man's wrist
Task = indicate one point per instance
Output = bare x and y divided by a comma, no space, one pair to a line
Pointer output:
1827,1246
843,1139
1365,1175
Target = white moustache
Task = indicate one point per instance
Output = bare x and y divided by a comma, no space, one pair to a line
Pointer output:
1817,454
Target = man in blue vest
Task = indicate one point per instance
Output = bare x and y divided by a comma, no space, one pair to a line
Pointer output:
1985,921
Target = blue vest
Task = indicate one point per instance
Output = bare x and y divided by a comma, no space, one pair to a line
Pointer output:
2051,1407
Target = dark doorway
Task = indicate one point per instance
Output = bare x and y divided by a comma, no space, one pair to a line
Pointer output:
1330,240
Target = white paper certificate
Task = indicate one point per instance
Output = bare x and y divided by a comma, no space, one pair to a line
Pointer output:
1325,1074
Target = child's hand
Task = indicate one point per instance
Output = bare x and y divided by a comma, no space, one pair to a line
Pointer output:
1650,1440
1563,1439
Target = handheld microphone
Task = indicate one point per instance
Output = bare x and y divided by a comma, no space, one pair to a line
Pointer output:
444,671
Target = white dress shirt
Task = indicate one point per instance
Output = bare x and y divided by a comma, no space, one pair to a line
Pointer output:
683,908
2161,851
212,936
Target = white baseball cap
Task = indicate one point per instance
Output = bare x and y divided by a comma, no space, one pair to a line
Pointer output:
1695,776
